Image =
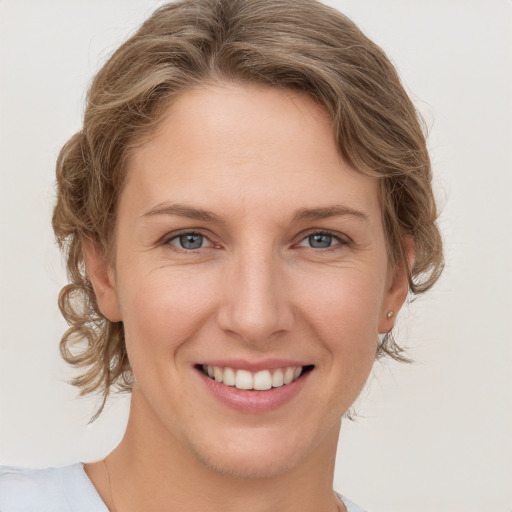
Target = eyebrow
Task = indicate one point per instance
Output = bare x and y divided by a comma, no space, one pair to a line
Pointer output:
328,211
182,210
302,214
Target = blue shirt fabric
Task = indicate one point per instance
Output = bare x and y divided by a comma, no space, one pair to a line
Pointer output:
64,489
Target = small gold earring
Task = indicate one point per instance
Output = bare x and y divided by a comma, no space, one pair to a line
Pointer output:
390,314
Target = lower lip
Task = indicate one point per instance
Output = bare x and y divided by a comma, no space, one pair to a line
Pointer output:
252,401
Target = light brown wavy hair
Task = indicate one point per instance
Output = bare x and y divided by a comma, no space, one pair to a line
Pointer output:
301,45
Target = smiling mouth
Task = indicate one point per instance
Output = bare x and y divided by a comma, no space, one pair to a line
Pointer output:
259,381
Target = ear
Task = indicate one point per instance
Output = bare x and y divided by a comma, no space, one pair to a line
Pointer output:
101,274
397,290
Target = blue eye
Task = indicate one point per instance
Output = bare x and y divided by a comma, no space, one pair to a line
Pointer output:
321,241
189,241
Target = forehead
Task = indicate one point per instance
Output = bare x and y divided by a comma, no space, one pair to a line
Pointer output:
230,146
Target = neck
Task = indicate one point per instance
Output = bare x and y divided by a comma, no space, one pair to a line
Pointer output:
152,470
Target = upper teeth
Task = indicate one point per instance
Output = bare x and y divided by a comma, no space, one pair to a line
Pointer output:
262,380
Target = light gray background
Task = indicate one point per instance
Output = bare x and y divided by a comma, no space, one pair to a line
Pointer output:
432,436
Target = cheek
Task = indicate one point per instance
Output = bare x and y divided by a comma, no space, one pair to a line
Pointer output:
160,313
343,312
347,301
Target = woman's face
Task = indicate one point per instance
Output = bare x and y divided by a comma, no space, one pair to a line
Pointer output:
247,247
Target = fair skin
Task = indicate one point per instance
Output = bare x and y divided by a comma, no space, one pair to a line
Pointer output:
285,265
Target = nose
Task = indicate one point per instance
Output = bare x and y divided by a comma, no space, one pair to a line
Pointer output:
255,305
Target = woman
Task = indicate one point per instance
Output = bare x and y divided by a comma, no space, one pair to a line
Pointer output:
244,212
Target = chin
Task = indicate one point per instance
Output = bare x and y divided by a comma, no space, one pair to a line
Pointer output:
245,466
266,454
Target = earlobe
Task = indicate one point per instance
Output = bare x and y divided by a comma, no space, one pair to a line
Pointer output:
398,288
101,274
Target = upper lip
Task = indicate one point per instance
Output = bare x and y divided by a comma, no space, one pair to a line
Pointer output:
253,366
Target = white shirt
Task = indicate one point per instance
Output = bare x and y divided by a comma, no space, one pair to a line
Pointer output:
64,489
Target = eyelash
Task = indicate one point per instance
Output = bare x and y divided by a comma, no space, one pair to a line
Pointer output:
341,240
177,236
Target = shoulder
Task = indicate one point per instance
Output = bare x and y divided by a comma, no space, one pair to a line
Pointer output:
351,506
63,489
